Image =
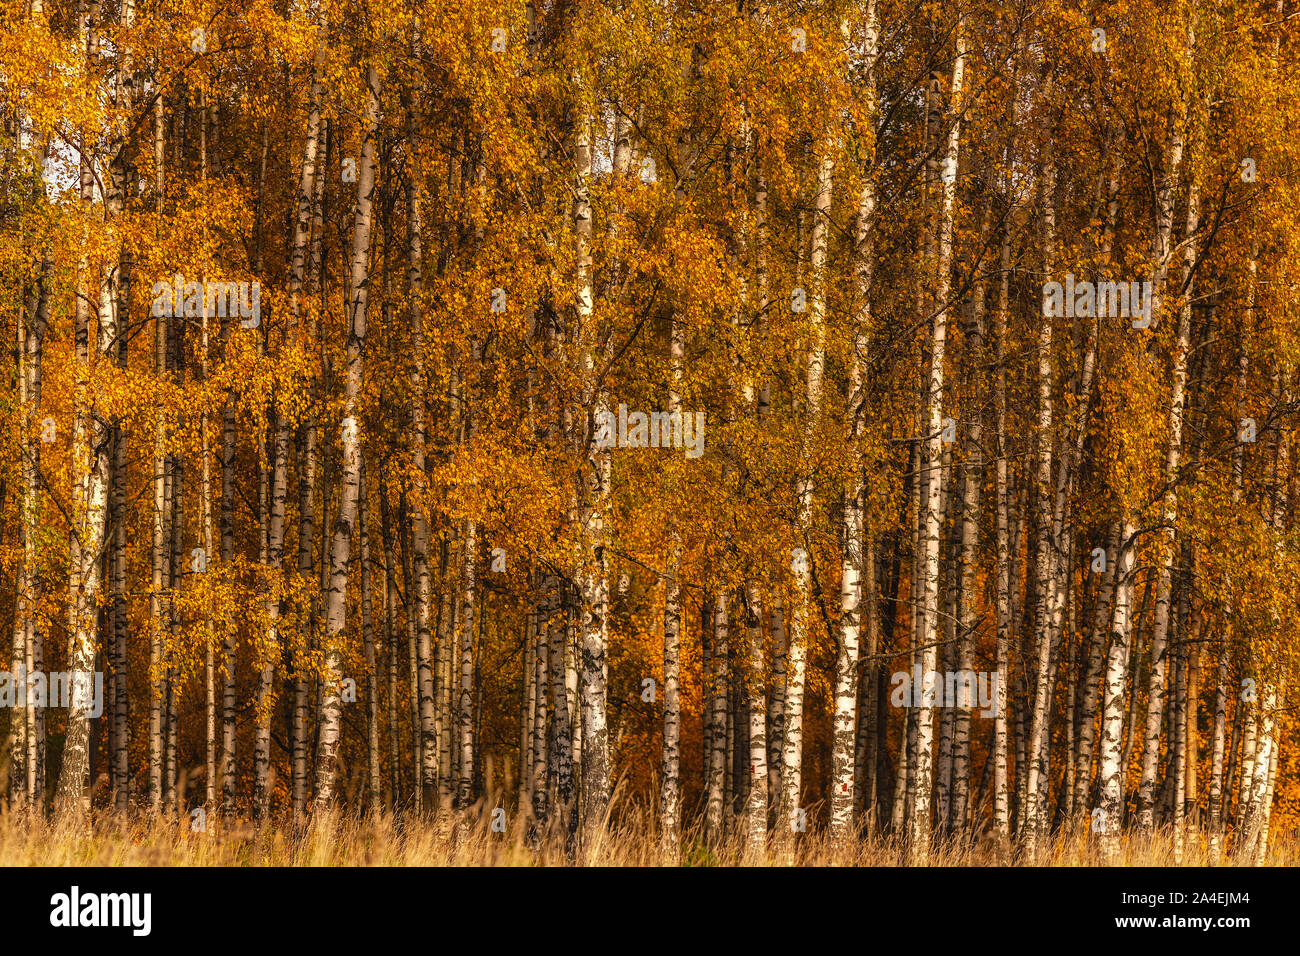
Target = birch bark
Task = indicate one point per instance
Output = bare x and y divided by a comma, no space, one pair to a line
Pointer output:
331,711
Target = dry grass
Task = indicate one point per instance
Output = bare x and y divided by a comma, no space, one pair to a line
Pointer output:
382,840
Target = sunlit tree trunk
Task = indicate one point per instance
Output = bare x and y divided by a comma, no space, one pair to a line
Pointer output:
159,541
1044,543
465,628
920,829
716,702
852,535
374,792
1111,798
27,783
671,788
1166,185
792,753
593,576
331,719
1002,570
89,514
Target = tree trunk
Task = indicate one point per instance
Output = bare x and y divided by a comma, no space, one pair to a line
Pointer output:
90,467
421,601
1001,787
592,576
671,793
331,719
1047,608
374,792
1111,799
920,829
1169,504
792,754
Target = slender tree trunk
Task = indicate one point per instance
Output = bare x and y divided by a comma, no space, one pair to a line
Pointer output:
1169,504
715,806
852,536
972,483
776,709
90,467
119,703
265,703
445,657
671,792
1044,546
1111,800
465,781
391,645
561,761
792,754
159,549
331,721
867,741
374,793
537,639
27,723
593,579
28,734
527,722
1087,724
226,525
422,598
920,830
1001,787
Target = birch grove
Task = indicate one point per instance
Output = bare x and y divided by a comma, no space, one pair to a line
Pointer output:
744,423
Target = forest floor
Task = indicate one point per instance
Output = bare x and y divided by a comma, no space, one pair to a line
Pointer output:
382,840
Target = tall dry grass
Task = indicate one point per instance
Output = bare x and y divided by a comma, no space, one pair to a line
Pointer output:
468,840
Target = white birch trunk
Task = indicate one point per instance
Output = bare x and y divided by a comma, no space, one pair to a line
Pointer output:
1111,797
1169,504
671,788
593,575
920,829
1045,543
331,711
792,754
